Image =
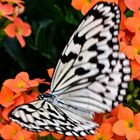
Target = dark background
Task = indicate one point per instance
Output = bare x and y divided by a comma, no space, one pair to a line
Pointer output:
52,23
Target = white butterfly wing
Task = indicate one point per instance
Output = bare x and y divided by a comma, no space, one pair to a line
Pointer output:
42,116
90,73
90,49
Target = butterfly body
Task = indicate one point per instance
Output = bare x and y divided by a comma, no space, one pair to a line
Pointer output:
91,77
84,113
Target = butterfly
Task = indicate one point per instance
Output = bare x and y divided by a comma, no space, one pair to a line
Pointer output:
91,77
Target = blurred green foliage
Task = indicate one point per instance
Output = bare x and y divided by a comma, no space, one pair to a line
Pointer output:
52,23
132,99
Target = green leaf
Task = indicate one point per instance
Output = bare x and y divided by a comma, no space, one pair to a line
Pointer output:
131,86
137,102
49,137
135,92
129,13
129,98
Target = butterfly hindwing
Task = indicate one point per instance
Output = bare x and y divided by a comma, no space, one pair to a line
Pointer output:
42,116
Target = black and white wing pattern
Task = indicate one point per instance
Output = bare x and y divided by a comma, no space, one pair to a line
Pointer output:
41,115
91,73
91,76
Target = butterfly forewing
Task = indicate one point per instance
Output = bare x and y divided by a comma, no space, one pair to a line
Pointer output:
90,50
89,74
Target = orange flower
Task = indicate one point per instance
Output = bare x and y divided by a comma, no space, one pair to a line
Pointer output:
129,50
14,132
113,116
70,138
83,5
133,23
132,4
116,137
50,72
122,6
17,101
43,133
104,132
122,25
6,97
57,136
136,44
89,137
128,124
99,118
115,111
132,51
18,29
30,98
6,10
21,83
135,70
2,120
126,36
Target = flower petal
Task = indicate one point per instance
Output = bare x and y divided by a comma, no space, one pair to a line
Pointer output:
57,136
128,50
106,130
119,128
44,133
125,114
7,132
10,30
135,70
137,121
133,135
50,72
132,24
132,5
77,4
21,40
22,76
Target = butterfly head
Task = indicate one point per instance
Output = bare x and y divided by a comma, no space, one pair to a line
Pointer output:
48,97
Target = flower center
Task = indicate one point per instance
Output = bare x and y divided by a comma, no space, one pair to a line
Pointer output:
19,31
10,99
89,1
138,51
1,13
100,138
130,124
20,85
